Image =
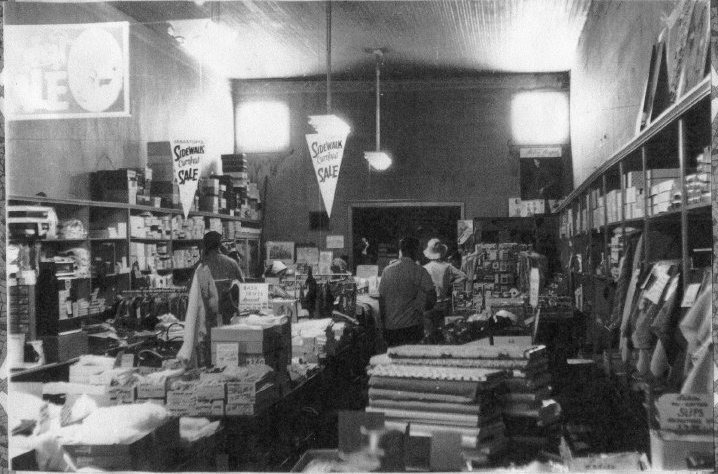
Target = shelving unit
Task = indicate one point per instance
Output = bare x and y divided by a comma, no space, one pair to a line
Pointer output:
672,140
100,214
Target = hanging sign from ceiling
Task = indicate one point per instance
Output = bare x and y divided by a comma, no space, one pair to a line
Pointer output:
67,71
326,149
187,157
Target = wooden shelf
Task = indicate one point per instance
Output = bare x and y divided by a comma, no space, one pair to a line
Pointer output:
674,112
121,205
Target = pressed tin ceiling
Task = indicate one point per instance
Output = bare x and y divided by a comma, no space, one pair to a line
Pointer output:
287,39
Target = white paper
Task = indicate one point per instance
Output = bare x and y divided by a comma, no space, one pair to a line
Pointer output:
660,281
535,280
690,296
253,297
335,241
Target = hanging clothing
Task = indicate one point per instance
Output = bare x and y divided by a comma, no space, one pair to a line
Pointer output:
624,280
696,328
629,301
201,317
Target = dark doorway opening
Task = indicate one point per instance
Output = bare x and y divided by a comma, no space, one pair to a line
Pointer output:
383,225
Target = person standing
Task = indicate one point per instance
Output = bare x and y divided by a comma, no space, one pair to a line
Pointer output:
224,271
443,276
405,292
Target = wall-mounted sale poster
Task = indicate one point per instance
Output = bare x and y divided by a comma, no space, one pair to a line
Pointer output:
67,71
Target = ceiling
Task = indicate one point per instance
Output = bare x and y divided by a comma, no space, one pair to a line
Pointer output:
287,39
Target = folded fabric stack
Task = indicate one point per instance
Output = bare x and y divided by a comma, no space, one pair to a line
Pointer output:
529,413
440,389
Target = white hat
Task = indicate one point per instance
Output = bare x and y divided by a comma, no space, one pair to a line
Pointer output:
435,249
278,266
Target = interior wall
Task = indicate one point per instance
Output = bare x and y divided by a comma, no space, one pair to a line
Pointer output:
449,140
171,96
609,77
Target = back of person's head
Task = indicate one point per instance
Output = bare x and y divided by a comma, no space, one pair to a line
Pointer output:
212,241
410,247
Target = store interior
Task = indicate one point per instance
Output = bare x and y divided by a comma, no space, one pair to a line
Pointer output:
225,222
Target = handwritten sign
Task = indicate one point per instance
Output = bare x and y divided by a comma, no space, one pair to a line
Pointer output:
686,412
253,297
187,157
227,355
325,262
67,71
326,149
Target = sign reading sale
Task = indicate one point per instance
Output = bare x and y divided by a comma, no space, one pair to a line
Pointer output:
67,71
187,157
326,149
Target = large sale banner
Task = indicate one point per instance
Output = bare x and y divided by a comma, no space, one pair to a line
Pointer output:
187,157
67,71
326,149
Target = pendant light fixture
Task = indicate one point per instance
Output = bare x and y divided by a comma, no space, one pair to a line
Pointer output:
379,160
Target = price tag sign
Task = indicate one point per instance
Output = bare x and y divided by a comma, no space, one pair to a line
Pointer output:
227,355
690,296
253,297
686,412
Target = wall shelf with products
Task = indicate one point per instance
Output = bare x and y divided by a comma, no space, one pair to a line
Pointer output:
103,246
650,199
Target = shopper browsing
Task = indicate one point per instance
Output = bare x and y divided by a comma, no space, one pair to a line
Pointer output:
224,271
443,275
405,292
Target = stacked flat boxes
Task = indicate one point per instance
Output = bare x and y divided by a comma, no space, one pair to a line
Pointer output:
191,228
633,207
114,185
698,183
22,310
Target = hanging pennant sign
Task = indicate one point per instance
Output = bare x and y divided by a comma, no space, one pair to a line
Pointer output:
187,157
326,149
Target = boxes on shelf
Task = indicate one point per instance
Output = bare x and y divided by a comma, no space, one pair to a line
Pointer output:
191,228
114,185
185,257
532,207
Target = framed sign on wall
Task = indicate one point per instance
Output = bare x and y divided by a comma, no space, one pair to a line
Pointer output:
67,71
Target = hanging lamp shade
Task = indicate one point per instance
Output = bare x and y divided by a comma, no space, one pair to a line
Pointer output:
379,160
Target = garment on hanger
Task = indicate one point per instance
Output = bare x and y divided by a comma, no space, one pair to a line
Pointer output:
202,315
696,328
630,299
626,266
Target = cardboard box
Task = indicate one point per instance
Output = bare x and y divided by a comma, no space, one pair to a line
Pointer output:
662,187
150,451
238,405
674,451
123,394
65,346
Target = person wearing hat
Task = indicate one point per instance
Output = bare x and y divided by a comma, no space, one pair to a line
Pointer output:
443,276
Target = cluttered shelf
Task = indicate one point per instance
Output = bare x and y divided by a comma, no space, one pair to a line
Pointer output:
685,103
120,205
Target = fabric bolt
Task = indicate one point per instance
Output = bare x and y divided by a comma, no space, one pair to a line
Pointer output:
473,409
404,395
646,311
404,290
699,378
447,387
659,361
202,309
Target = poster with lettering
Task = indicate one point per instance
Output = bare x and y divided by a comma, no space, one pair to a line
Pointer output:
67,71
326,149
253,297
187,157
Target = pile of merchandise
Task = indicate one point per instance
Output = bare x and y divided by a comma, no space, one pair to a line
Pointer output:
441,389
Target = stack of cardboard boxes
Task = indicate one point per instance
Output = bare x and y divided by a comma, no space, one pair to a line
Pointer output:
531,207
251,343
499,272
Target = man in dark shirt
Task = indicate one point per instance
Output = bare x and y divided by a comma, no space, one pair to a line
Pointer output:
405,292
224,271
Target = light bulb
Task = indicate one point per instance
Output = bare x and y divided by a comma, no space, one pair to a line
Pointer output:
379,160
